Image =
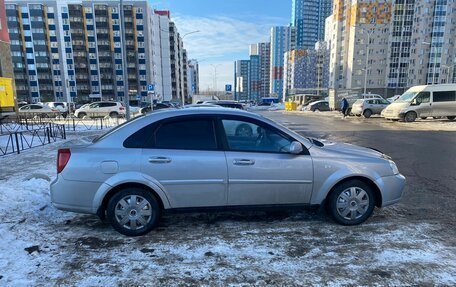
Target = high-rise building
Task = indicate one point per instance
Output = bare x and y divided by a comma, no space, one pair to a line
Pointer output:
282,39
357,33
241,79
193,77
422,45
254,78
73,50
387,47
308,16
264,51
161,55
306,70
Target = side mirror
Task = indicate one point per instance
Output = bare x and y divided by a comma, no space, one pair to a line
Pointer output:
296,147
414,102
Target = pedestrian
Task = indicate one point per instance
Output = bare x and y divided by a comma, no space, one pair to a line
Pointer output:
344,106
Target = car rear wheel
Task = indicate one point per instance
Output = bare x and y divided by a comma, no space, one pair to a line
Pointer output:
367,113
423,118
113,114
81,115
351,202
451,118
133,211
410,117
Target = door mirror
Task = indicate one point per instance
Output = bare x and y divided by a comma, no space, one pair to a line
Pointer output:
414,102
296,147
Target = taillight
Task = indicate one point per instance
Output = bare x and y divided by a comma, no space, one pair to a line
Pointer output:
121,108
63,156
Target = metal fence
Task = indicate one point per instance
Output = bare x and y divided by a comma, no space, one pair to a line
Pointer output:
24,139
14,124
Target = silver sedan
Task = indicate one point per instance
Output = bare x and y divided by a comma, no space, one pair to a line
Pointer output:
217,159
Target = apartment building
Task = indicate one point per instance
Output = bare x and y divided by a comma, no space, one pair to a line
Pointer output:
283,39
241,80
193,77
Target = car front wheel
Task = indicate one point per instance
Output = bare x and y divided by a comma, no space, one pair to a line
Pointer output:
367,114
133,211
351,202
410,117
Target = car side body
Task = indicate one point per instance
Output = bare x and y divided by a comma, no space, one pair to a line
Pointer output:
368,107
229,174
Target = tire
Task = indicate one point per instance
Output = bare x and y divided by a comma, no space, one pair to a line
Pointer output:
119,208
423,118
316,110
451,118
367,114
358,115
82,115
351,202
410,117
114,114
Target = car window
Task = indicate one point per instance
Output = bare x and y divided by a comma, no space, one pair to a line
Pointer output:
25,108
35,107
423,97
444,96
248,136
325,104
186,134
94,105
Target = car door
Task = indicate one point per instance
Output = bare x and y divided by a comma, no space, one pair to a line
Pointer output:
422,104
382,104
185,157
93,109
261,171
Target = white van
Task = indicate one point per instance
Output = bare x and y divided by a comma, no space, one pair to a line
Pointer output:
422,102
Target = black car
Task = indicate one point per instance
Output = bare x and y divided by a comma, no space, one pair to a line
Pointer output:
322,106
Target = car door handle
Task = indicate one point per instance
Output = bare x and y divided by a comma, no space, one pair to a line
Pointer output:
159,159
243,162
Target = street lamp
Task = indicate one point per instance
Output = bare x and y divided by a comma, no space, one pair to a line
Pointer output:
369,32
435,60
215,76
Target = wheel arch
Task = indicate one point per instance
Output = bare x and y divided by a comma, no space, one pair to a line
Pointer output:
101,211
366,180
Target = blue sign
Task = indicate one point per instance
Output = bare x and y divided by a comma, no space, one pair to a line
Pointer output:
138,97
227,88
150,87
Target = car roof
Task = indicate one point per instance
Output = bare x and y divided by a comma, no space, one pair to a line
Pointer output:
202,110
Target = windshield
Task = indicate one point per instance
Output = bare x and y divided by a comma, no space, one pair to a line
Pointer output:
406,97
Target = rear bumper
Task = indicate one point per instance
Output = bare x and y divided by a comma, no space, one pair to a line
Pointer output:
75,196
391,188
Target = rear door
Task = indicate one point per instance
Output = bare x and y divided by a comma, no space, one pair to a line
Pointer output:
184,155
261,171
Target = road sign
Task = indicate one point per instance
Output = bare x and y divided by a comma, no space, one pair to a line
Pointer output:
138,97
150,87
228,88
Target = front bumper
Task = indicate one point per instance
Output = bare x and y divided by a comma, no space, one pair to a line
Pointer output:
391,188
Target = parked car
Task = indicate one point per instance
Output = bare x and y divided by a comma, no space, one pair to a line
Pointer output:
371,96
101,109
317,106
63,107
157,106
41,111
424,101
227,104
215,159
368,107
393,98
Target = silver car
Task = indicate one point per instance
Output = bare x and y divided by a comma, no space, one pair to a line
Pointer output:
216,159
368,107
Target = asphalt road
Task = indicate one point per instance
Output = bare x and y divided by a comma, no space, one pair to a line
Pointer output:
427,158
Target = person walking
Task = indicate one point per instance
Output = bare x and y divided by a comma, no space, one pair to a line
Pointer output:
344,106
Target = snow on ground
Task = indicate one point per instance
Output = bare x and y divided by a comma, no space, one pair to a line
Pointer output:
42,246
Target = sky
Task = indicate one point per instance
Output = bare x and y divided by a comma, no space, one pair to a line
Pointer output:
227,28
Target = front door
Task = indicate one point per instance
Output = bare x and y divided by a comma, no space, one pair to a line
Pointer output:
422,103
185,158
261,171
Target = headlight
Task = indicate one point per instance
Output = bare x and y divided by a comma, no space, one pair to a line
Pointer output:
393,167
